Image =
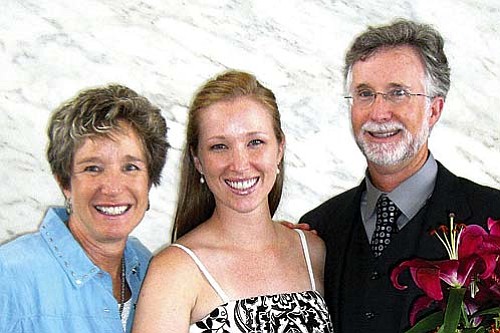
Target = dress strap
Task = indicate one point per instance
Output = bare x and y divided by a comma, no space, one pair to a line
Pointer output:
205,272
305,250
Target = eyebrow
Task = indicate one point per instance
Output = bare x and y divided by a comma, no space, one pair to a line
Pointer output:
88,160
92,159
390,84
363,86
222,137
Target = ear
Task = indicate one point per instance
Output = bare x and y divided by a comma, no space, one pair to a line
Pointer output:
436,110
281,149
196,160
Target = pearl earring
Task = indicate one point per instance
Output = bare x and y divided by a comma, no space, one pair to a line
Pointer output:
202,180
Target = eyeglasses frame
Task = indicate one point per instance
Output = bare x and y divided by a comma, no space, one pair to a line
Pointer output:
386,97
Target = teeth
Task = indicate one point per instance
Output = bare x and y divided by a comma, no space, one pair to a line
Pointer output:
112,210
242,185
383,135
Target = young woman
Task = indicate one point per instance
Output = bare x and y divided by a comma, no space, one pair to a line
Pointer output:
232,269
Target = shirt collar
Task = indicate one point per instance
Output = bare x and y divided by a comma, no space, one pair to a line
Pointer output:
411,194
68,252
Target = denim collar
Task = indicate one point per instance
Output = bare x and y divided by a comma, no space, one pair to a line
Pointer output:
69,254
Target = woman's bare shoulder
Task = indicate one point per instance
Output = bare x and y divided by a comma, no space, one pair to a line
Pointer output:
172,262
315,243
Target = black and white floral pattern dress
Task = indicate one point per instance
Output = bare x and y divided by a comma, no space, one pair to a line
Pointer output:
298,312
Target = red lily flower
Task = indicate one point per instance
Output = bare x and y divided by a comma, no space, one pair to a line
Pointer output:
473,252
428,275
473,266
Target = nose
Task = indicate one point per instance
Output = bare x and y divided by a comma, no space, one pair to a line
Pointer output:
381,108
239,158
112,182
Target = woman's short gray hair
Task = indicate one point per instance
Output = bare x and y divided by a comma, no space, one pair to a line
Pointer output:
98,112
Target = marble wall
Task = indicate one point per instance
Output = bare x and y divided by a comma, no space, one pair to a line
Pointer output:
50,49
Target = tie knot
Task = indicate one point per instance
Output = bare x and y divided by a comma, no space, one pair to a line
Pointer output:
387,209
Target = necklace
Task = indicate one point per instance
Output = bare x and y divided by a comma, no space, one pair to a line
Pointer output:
122,289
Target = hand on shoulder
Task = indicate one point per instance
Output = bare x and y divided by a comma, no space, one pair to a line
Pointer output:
300,226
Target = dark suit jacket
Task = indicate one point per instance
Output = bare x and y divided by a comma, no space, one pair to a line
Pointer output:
358,290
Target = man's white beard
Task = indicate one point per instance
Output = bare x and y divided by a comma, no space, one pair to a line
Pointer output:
388,154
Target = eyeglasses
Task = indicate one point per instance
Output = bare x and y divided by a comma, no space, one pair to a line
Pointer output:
397,96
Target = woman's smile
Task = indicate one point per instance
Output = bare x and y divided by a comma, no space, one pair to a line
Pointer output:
242,186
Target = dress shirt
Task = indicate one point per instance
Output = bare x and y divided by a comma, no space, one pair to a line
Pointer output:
410,196
49,284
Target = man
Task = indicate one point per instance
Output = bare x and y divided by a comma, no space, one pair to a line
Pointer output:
397,78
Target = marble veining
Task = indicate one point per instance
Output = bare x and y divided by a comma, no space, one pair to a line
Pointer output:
165,49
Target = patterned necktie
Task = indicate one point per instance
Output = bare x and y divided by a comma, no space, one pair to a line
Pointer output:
387,214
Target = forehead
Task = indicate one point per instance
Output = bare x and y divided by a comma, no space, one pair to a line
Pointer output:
401,65
122,140
236,116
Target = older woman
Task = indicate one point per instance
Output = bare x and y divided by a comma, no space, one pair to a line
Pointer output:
81,272
233,269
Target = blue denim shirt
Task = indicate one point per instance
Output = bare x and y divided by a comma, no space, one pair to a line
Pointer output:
48,284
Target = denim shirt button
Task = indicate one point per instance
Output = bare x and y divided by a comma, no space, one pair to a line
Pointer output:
78,282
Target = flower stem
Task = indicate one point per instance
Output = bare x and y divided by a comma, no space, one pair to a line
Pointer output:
453,310
467,322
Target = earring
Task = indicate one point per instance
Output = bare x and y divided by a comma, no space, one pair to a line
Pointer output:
278,171
202,180
67,206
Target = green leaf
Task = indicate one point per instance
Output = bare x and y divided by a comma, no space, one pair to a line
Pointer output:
428,323
474,330
491,311
453,310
